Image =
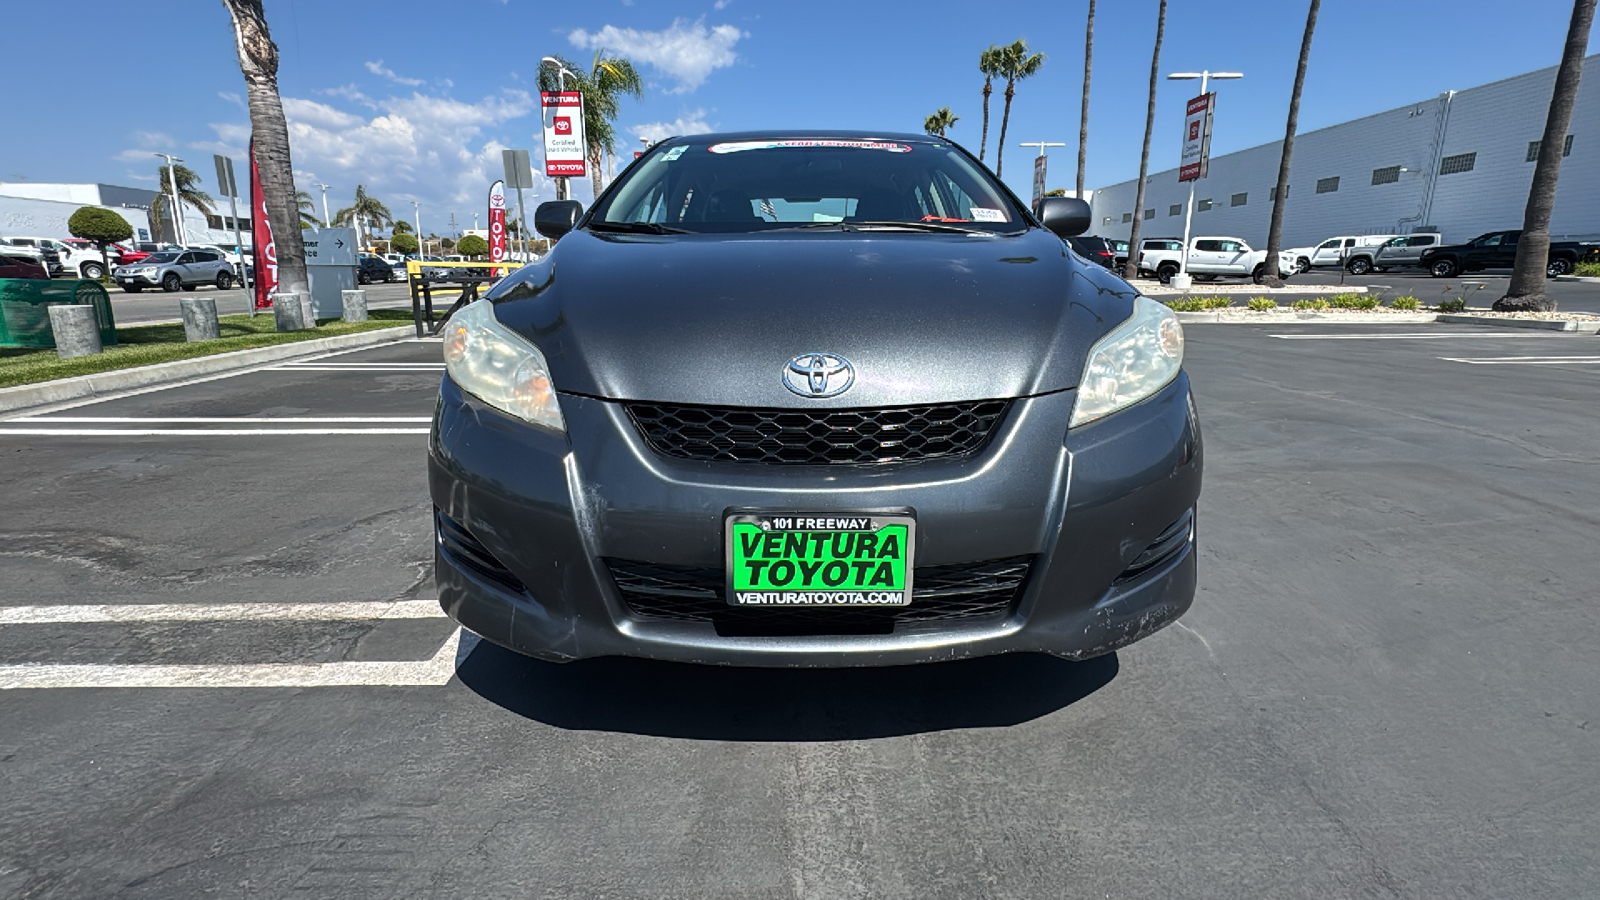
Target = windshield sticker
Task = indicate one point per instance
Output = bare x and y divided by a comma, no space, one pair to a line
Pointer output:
980,214
738,146
674,153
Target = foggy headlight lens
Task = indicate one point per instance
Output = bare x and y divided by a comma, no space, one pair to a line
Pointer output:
1138,358
494,364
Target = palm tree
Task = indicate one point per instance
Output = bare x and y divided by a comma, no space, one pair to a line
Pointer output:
989,65
609,78
189,194
308,208
1083,118
1533,250
258,61
1280,197
941,121
1016,63
365,208
401,226
1131,270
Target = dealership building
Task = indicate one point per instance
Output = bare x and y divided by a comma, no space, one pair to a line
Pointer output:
1460,164
30,209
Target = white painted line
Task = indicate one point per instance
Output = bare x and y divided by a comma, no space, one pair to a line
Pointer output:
199,432
222,420
439,368
364,365
219,612
435,671
1526,360
1406,336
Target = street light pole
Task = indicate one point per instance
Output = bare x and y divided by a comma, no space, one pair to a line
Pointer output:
416,212
1205,76
561,86
172,183
326,222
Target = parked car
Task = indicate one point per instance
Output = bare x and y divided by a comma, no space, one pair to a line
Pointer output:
174,269
371,268
1094,249
1210,258
1403,252
1337,251
45,249
1119,249
18,266
1498,250
87,260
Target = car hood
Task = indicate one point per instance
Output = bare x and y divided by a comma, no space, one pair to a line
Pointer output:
714,319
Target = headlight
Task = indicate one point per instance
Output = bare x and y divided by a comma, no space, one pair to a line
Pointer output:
148,270
1138,358
494,364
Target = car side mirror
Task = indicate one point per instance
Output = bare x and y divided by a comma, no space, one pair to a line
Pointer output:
557,217
1066,216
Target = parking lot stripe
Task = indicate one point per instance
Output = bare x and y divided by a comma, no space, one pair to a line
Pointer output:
218,612
224,420
1525,360
203,432
1406,336
434,671
371,368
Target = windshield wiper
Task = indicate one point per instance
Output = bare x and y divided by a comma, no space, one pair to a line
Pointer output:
884,226
637,228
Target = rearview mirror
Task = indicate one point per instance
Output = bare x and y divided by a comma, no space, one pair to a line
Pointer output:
1066,216
557,217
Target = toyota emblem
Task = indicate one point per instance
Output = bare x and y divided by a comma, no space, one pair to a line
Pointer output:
818,375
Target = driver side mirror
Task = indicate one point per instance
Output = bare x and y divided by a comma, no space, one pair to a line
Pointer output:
557,217
1066,216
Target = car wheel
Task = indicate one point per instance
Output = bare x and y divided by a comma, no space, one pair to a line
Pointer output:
1442,268
1301,265
93,271
1259,274
171,282
1360,266
224,281
1557,267
1166,272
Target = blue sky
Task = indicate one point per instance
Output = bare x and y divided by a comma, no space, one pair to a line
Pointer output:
416,99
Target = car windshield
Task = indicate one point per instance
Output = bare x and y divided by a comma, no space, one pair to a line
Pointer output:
713,185
160,258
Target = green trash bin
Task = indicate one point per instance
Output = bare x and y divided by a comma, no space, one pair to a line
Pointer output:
25,316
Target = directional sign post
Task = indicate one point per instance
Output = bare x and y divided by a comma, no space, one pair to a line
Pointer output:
230,189
519,175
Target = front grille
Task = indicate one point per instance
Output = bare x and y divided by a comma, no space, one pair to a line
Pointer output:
462,547
801,437
942,594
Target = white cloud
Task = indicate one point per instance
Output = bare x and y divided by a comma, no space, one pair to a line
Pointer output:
721,4
686,51
688,123
349,92
376,67
231,97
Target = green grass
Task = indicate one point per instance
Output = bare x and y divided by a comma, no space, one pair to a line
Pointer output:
143,345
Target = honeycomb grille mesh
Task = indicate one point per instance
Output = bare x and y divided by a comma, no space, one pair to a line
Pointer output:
800,437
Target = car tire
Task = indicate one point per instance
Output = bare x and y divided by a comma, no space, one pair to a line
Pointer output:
1360,266
93,271
1165,273
1557,267
1259,275
224,281
1302,265
1442,268
171,282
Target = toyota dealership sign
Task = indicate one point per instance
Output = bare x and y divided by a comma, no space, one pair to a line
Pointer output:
1197,137
563,133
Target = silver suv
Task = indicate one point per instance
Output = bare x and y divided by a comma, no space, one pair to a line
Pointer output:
174,269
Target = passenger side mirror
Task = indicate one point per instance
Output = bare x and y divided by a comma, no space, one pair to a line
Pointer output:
557,217
1066,216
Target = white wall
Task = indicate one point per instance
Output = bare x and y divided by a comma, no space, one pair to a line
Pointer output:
47,218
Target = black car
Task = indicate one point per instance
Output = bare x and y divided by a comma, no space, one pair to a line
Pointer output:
813,399
1094,249
373,268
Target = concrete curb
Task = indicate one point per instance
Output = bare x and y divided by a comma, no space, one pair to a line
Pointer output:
81,386
1294,318
1579,326
1214,289
1585,279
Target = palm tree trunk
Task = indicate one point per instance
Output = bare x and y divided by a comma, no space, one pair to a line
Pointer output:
1083,118
1131,270
1533,250
1274,278
988,87
258,60
1005,119
594,170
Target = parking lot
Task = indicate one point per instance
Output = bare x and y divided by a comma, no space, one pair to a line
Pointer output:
223,669
158,306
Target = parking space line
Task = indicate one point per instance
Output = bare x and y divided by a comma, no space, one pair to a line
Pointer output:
1408,336
219,612
224,420
371,368
1525,360
199,432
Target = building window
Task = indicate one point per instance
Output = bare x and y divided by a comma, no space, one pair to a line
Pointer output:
214,222
1238,199
1127,217
1461,162
1150,214
1203,206
1272,193
1327,185
1533,149
1386,176
1106,221
1175,209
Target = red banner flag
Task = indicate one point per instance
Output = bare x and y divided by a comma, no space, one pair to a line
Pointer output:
497,222
266,251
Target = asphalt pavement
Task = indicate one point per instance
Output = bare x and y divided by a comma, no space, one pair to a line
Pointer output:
1570,296
227,673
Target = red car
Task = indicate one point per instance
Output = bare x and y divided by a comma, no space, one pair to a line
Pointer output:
20,267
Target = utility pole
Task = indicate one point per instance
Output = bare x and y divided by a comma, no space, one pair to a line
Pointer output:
416,212
172,183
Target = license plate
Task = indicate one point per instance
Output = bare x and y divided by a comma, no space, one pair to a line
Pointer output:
820,559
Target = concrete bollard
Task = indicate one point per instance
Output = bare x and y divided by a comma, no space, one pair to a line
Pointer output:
308,310
1183,282
200,319
76,330
355,305
287,311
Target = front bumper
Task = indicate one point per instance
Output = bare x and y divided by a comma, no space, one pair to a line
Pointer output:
555,513
125,278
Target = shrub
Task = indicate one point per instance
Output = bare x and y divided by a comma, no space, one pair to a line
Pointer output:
1318,303
1216,302
1588,269
1456,305
403,243
1353,301
1262,304
1186,305
472,245
1407,302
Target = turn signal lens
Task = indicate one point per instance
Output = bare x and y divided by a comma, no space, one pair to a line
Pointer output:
496,365
1131,363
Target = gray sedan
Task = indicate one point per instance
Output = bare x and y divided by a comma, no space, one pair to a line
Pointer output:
171,270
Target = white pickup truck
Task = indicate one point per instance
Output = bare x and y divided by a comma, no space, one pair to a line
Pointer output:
1210,258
